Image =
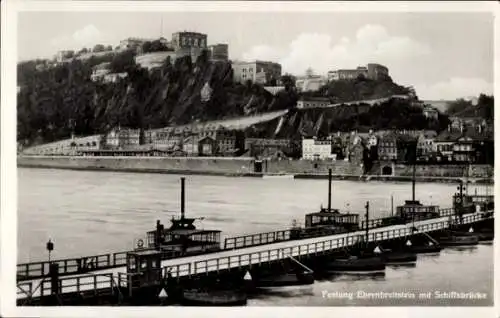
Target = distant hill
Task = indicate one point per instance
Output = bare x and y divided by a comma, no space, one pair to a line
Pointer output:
483,108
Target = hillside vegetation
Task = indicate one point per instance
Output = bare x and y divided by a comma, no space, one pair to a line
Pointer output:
393,114
54,101
57,100
359,89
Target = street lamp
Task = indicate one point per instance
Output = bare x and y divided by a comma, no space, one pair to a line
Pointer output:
50,247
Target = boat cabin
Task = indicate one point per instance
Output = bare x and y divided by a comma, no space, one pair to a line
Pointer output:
183,238
469,202
144,267
332,218
414,209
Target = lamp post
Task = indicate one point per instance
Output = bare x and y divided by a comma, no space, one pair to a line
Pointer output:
392,204
367,218
50,247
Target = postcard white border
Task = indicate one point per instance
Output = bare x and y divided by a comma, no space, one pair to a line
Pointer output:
8,186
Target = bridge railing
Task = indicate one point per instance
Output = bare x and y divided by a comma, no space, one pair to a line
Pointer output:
24,289
446,212
246,259
34,270
178,270
242,260
256,239
79,284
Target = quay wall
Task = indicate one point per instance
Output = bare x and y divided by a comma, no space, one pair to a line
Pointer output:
249,167
456,171
238,166
339,168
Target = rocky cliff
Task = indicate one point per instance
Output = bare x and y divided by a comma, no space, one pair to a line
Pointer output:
53,102
392,114
57,100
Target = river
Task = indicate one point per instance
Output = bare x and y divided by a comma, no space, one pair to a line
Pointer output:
87,212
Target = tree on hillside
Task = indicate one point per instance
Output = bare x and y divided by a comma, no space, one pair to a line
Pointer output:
122,62
487,102
272,82
109,48
457,106
146,47
83,51
98,48
202,58
288,81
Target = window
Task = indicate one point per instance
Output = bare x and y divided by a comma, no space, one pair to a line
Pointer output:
131,263
250,70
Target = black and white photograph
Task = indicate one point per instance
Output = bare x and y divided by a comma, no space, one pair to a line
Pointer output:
247,154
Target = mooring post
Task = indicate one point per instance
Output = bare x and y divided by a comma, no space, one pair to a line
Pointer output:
392,205
182,197
158,234
54,278
329,190
461,201
413,184
367,207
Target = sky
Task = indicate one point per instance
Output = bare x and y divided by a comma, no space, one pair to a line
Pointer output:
442,55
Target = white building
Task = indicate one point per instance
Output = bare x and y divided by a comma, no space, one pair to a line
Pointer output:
310,84
99,71
314,149
114,77
431,113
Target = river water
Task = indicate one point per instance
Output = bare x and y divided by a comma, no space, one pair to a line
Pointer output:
86,213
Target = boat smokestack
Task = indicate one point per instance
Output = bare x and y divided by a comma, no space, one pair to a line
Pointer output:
329,190
182,196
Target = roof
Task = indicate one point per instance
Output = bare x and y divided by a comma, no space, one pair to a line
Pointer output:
428,108
476,135
448,136
190,232
186,232
145,252
389,135
428,134
405,138
205,138
334,212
